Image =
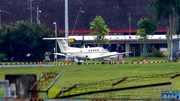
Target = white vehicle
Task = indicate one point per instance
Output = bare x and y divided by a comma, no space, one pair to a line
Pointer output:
84,53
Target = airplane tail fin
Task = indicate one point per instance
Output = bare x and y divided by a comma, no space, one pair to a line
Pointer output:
61,43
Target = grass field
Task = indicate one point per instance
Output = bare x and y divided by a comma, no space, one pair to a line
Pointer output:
78,74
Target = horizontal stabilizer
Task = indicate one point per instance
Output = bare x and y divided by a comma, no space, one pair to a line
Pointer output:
124,52
54,38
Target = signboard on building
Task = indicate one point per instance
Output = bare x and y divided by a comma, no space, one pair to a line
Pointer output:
71,40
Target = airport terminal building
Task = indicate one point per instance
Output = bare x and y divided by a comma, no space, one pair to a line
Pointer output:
122,41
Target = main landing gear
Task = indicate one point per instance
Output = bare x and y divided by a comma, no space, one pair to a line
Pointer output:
79,63
110,62
103,62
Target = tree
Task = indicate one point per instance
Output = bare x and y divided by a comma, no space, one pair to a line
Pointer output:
145,27
23,41
169,10
100,30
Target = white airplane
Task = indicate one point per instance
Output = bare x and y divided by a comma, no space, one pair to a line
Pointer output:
84,53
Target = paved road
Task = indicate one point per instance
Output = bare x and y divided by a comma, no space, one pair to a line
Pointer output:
28,65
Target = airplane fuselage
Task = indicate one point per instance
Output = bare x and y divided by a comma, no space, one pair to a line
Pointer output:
88,53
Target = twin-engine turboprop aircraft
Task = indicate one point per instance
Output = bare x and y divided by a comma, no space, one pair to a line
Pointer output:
83,53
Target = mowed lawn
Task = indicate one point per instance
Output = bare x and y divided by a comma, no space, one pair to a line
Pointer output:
73,74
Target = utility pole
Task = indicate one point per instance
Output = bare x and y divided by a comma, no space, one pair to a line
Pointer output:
129,23
30,8
0,17
80,11
37,18
3,12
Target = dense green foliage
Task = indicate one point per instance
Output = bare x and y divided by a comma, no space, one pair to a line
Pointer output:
138,59
157,53
100,30
146,27
23,41
164,8
2,57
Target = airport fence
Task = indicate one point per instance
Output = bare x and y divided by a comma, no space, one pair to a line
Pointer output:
26,99
74,63
132,87
4,88
1,92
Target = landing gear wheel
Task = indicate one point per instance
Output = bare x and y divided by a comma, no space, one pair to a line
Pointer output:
79,63
103,62
110,62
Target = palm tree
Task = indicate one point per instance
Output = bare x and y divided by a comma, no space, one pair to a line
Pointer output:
169,10
100,30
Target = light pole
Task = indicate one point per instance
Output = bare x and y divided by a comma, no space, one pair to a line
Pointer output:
55,55
3,12
66,20
66,23
80,11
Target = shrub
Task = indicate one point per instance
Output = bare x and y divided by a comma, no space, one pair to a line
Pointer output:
2,57
157,53
49,61
138,59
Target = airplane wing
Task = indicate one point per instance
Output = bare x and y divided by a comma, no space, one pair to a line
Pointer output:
107,55
63,54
